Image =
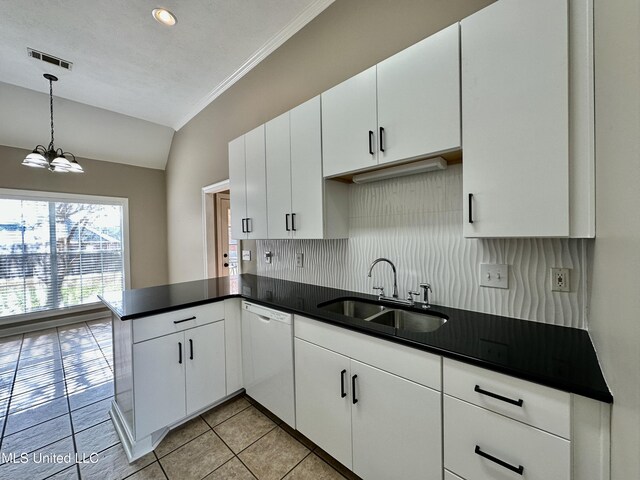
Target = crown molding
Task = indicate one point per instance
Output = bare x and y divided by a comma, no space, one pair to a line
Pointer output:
276,41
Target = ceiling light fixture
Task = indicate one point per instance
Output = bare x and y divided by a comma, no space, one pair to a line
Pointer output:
56,160
430,165
164,16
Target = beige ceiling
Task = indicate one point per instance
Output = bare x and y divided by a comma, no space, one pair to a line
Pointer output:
125,62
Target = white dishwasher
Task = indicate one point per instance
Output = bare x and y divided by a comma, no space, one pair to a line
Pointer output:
267,359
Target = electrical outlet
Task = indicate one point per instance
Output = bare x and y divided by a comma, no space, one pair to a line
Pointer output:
300,260
494,275
560,280
246,255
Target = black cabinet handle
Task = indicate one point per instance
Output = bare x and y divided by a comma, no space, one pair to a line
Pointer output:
293,222
190,349
519,469
371,152
244,228
185,320
179,352
342,392
249,225
286,222
471,208
517,403
353,389
381,139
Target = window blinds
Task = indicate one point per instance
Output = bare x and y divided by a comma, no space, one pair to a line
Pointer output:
57,253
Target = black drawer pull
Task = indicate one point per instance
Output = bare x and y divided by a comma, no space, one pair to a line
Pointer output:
517,403
353,389
342,392
185,320
371,152
381,139
470,208
519,469
286,222
191,349
244,228
293,222
179,352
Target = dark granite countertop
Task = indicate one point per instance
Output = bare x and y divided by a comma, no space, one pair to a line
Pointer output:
558,357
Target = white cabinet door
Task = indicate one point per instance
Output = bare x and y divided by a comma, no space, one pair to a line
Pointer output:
205,360
307,195
255,176
419,99
159,374
323,403
515,120
278,161
396,427
349,125
237,187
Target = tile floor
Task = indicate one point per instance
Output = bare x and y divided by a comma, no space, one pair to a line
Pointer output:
56,388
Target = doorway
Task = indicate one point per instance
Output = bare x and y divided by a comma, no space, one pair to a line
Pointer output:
220,250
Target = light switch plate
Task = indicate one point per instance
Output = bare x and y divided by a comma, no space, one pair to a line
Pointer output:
246,255
300,260
494,275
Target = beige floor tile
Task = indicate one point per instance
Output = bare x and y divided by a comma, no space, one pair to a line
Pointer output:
112,464
219,414
267,413
37,467
232,470
70,473
336,464
271,457
298,436
152,472
243,429
312,468
197,458
181,435
91,415
97,438
37,436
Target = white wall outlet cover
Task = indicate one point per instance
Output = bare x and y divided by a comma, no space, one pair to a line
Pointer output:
300,260
246,255
560,280
494,275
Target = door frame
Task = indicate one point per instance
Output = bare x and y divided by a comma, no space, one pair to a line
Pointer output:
209,189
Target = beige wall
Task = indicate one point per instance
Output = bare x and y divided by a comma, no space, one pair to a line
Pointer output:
144,187
348,37
615,286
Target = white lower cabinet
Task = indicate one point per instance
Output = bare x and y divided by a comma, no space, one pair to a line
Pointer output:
374,422
482,445
176,375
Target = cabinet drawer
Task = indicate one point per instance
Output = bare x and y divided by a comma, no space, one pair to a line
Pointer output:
176,321
415,365
542,407
482,445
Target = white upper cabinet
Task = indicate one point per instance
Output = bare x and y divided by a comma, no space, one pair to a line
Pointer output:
237,188
255,175
406,107
349,125
301,203
278,159
526,117
419,99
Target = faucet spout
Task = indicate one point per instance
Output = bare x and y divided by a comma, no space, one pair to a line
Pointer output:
393,268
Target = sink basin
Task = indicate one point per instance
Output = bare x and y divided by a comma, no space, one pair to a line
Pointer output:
353,308
409,321
383,315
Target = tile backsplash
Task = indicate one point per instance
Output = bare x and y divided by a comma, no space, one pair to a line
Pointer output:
416,222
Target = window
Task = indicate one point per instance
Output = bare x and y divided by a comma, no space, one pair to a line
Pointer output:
59,251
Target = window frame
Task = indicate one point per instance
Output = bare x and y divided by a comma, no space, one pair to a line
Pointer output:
35,195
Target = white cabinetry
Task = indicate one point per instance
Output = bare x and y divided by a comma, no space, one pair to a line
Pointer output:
373,417
247,185
301,204
404,108
527,120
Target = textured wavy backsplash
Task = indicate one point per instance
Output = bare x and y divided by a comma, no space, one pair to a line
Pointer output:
417,222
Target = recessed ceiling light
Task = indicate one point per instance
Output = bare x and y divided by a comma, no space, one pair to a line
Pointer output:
164,16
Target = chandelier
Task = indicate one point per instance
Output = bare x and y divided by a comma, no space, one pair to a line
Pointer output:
56,160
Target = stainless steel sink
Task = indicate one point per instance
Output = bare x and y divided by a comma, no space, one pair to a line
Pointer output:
383,315
353,308
409,321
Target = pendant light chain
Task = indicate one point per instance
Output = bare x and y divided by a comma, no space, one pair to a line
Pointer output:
51,109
